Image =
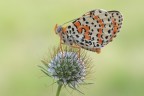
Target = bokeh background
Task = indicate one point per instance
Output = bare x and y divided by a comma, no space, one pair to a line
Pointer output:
26,34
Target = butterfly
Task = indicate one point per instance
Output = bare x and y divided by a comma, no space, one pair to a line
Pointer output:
91,31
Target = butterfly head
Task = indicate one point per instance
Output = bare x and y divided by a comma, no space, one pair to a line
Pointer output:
58,29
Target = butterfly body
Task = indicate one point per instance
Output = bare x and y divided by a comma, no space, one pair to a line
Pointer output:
92,31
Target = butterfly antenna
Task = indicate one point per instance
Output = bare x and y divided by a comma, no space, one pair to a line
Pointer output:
69,21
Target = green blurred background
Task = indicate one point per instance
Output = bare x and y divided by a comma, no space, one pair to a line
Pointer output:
26,34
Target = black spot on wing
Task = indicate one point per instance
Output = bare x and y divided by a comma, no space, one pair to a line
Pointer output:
87,22
84,19
106,37
100,11
97,45
90,43
82,43
69,27
72,29
92,39
109,31
77,36
92,23
106,14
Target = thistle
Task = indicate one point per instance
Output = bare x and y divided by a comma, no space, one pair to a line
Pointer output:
67,68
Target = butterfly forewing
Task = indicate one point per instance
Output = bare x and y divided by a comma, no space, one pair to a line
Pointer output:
94,29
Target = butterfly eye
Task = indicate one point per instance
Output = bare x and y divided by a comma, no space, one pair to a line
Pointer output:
59,29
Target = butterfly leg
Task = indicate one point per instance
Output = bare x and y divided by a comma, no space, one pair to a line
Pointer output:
61,45
79,49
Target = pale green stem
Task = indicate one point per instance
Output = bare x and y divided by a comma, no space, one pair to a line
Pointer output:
59,89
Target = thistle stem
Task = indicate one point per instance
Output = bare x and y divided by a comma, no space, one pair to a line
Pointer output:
59,89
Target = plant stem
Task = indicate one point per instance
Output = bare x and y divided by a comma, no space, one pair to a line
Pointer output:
59,89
